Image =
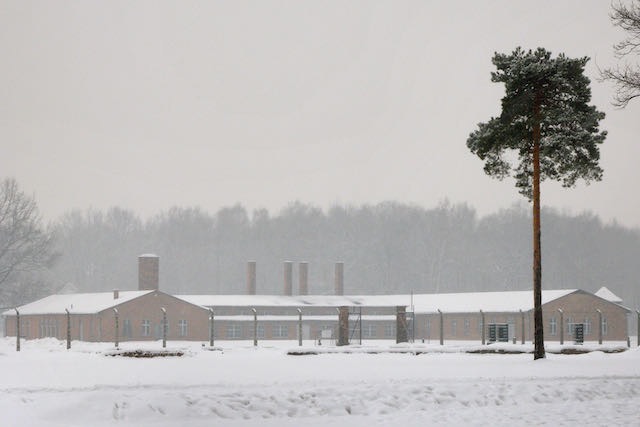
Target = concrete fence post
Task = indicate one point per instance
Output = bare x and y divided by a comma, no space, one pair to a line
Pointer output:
522,320
17,329
68,328
599,325
561,326
164,327
441,327
255,327
483,333
300,327
401,324
211,330
115,312
343,325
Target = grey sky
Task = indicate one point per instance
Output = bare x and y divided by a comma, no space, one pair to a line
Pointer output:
151,104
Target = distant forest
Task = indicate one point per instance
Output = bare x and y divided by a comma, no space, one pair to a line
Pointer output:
386,248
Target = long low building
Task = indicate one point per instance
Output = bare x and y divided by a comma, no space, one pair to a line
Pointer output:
148,314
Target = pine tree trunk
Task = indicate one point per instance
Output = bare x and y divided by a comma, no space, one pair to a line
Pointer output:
538,352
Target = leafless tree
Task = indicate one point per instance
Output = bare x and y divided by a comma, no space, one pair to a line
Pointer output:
25,246
625,76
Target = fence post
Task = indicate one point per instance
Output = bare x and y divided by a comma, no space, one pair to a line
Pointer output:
401,324
68,328
211,328
164,327
343,325
255,327
115,310
599,326
483,333
638,330
17,329
561,326
441,327
300,327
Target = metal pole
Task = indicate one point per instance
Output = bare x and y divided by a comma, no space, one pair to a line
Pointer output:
211,328
115,310
600,327
638,330
255,327
522,320
300,327
68,329
441,327
164,327
17,329
561,326
484,337
360,320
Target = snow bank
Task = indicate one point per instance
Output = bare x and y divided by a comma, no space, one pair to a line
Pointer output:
46,385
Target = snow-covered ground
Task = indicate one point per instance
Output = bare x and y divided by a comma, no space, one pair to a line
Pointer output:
47,385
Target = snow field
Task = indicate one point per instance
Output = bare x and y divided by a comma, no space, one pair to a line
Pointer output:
46,385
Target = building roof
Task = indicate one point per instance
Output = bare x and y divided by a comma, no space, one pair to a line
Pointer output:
465,302
88,303
509,301
605,293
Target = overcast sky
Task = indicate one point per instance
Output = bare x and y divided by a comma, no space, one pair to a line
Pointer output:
152,104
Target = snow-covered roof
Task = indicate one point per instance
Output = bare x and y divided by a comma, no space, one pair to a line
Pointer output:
510,301
77,303
605,293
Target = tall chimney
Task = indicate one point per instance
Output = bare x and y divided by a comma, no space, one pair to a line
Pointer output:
148,272
339,278
251,278
288,278
303,278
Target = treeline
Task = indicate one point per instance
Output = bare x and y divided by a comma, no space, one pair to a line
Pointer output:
387,248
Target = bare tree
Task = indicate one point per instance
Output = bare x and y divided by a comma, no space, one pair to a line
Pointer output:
626,77
25,246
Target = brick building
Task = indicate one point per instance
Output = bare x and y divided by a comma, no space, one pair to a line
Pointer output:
430,317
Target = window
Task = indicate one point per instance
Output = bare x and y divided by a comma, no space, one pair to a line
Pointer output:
146,328
369,331
454,327
570,326
604,326
234,331
48,327
126,328
389,330
553,326
182,328
260,331
280,331
587,326
467,327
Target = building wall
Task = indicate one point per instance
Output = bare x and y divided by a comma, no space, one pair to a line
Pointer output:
131,315
141,319
580,307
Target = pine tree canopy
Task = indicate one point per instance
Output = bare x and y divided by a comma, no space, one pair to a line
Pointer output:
555,93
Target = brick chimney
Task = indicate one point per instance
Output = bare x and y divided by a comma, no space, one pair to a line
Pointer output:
303,278
339,278
288,278
251,278
148,272
116,294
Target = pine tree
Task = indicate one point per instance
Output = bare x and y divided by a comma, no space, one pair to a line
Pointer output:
547,122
